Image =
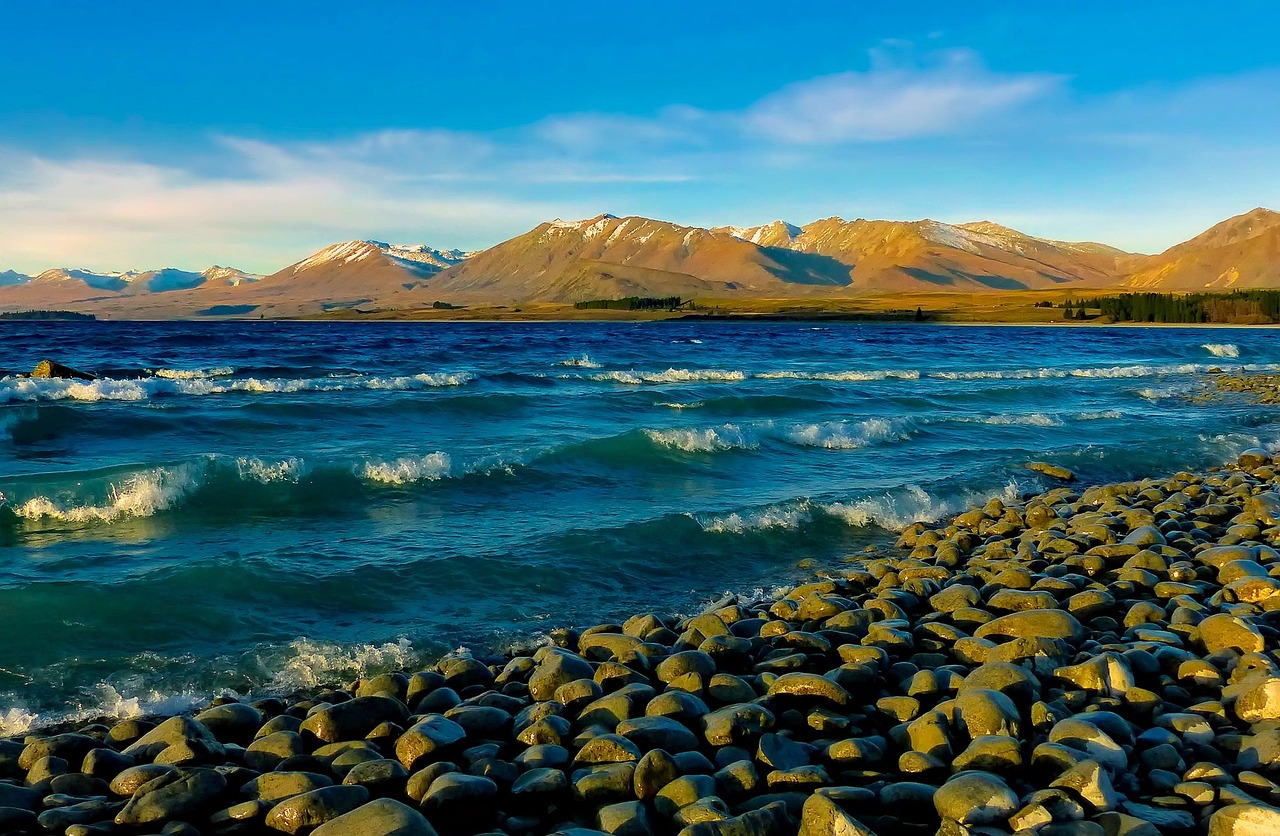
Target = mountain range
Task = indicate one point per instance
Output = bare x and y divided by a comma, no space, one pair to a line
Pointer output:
611,257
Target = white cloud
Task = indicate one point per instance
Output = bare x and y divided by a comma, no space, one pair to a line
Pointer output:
112,215
891,103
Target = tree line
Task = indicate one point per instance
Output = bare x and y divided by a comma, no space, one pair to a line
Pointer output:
1240,307
635,303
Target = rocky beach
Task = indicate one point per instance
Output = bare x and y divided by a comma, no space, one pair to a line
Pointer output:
1092,661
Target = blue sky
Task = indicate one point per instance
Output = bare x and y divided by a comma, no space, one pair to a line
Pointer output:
137,135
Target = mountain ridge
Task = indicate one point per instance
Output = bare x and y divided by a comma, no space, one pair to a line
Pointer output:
607,256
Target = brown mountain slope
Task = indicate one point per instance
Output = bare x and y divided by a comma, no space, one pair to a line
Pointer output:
602,256
1240,253
344,275
930,255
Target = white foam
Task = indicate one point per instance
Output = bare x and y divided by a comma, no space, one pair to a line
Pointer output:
279,669
140,495
843,376
1136,370
108,389
194,374
583,362
739,522
912,503
429,468
842,435
104,701
1222,349
636,378
677,405
1032,419
709,440
309,663
259,470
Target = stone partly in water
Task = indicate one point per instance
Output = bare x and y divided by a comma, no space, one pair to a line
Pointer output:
1094,662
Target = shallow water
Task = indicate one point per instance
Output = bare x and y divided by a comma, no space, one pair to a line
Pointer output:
263,506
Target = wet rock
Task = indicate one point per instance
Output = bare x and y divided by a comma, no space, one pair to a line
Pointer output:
353,719
382,817
975,798
172,795
426,738
302,813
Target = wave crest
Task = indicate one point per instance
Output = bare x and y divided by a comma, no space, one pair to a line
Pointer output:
1222,349
406,471
673,375
709,440
842,435
139,495
14,389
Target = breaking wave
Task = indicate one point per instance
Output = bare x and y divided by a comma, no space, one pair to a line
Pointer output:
269,669
843,435
709,440
893,510
583,362
1222,349
843,376
637,378
17,389
406,471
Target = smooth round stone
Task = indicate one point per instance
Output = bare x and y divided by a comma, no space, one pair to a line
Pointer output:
658,733
975,798
171,796
382,817
810,687
274,786
311,809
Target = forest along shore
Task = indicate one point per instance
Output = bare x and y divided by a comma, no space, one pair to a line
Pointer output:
1102,661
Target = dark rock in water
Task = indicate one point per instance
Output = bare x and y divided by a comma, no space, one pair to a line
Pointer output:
51,368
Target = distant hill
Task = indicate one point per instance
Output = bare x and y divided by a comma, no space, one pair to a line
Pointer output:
1240,253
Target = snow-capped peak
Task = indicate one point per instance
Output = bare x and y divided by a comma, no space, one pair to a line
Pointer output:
345,252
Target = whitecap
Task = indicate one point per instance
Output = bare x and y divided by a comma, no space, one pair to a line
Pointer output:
583,362
785,517
193,374
260,470
1222,349
709,440
898,509
842,435
139,495
405,471
843,376
14,389
636,378
1030,419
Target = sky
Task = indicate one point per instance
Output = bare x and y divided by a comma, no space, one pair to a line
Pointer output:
139,135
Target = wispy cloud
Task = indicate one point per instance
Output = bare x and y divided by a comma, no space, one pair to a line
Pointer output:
956,93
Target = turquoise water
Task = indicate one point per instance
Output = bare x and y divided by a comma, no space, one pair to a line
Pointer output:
263,506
